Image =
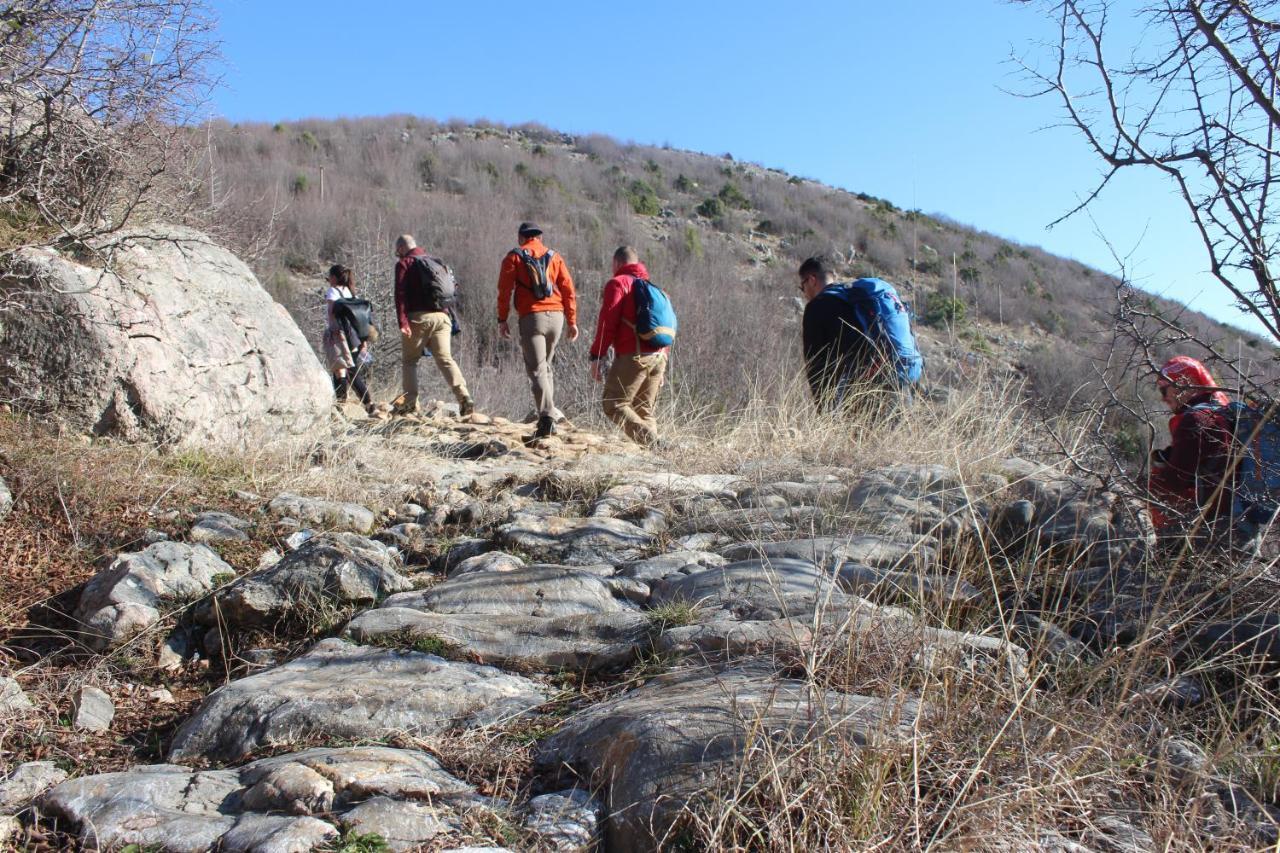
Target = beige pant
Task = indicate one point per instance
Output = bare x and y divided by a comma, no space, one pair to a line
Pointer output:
631,394
539,334
433,330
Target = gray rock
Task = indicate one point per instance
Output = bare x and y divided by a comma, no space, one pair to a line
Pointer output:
26,782
1254,638
323,514
176,342
731,639
260,833
667,566
591,642
402,825
653,748
751,521
6,500
894,586
176,649
92,710
493,561
1178,693
575,540
548,591
334,569
349,691
128,596
867,549
267,805
460,550
757,589
298,538
566,820
12,699
218,527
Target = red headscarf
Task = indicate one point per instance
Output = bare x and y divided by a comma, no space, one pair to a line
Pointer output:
1186,371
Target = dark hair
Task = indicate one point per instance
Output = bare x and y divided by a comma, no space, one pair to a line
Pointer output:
818,265
344,277
626,255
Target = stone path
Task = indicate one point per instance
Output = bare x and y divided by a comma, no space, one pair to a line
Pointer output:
572,557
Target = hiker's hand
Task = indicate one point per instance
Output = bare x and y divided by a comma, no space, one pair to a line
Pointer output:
504,332
404,330
573,331
597,372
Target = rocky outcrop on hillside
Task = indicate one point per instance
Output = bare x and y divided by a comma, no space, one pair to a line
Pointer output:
648,636
157,334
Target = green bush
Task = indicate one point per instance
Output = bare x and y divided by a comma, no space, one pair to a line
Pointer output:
644,200
733,197
712,208
300,184
693,242
942,310
685,185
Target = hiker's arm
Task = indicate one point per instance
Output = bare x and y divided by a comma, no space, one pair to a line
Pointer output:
610,316
506,284
402,315
820,356
1193,443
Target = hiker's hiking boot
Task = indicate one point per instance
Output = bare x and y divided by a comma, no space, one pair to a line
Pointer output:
546,427
399,406
467,407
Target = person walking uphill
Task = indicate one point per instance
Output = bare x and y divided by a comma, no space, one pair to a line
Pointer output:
539,280
638,369
855,334
424,293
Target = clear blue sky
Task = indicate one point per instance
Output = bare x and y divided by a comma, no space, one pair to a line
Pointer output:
900,100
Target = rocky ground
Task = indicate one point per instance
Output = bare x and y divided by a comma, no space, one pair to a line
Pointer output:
570,645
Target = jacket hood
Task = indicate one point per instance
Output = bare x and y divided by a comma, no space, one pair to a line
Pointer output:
636,270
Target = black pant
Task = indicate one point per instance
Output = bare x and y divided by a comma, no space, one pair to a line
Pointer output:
355,380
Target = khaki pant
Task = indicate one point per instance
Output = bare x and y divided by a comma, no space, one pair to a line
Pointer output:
631,394
433,330
539,334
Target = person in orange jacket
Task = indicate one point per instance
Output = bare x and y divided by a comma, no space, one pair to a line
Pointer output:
545,301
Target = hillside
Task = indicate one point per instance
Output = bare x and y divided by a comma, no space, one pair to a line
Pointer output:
724,236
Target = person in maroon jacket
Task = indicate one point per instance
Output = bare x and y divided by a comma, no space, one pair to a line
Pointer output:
1187,476
423,324
636,375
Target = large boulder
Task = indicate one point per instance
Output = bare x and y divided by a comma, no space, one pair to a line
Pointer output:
283,803
653,750
161,334
130,595
342,691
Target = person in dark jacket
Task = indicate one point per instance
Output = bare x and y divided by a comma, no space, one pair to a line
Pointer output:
839,357
423,325
1187,476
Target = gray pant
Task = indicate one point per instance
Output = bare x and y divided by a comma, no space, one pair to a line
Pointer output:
539,334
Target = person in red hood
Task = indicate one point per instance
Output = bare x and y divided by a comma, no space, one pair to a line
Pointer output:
636,375
1187,475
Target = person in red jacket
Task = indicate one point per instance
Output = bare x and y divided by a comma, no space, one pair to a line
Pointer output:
1187,476
423,324
636,375
542,316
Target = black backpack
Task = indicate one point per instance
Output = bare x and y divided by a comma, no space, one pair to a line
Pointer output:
541,285
357,314
434,281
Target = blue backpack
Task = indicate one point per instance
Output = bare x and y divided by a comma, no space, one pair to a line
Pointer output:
1257,446
655,317
885,321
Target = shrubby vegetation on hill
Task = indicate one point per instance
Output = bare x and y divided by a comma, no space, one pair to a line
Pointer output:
725,236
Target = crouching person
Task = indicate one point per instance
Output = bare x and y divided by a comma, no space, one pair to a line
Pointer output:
637,323
1194,481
